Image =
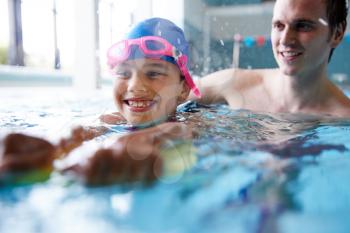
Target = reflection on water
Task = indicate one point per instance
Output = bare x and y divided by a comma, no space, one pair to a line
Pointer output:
255,173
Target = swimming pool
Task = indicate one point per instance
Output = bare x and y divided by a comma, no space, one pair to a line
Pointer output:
254,173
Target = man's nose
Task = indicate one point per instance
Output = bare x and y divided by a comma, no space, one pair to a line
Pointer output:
288,36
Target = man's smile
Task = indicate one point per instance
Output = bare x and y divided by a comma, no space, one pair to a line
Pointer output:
290,55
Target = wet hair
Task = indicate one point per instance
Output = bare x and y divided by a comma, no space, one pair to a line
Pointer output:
337,11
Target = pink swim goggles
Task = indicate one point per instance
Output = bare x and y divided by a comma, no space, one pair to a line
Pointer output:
153,47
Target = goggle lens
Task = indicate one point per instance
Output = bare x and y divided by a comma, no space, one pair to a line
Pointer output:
119,50
154,45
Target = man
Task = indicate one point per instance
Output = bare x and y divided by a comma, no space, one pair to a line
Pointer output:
304,34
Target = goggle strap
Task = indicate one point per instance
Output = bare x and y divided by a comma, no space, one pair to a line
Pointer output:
190,82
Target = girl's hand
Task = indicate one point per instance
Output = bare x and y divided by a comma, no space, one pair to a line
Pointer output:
114,118
21,154
132,157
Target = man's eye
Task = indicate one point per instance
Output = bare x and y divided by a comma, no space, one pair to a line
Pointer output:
278,26
304,27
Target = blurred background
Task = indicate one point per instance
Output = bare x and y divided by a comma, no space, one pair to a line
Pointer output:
64,42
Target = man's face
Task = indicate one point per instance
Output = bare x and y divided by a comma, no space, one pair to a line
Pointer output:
300,36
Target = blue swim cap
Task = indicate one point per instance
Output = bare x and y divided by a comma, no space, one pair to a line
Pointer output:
162,28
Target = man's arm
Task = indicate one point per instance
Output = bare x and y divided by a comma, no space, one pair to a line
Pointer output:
216,87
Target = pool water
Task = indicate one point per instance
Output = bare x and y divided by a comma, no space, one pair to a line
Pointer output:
255,172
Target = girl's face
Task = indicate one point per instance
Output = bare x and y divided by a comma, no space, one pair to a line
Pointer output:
148,90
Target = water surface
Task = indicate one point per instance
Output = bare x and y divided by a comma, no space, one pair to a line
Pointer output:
255,172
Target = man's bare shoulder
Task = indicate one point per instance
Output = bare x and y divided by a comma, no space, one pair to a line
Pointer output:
345,112
341,107
338,103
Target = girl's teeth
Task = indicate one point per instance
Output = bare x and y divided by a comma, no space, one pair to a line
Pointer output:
139,104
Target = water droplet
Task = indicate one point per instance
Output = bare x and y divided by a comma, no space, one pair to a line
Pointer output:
323,22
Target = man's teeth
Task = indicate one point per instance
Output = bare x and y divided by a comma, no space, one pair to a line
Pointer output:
290,54
140,104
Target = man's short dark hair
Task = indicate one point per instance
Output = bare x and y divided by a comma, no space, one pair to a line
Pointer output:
337,12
